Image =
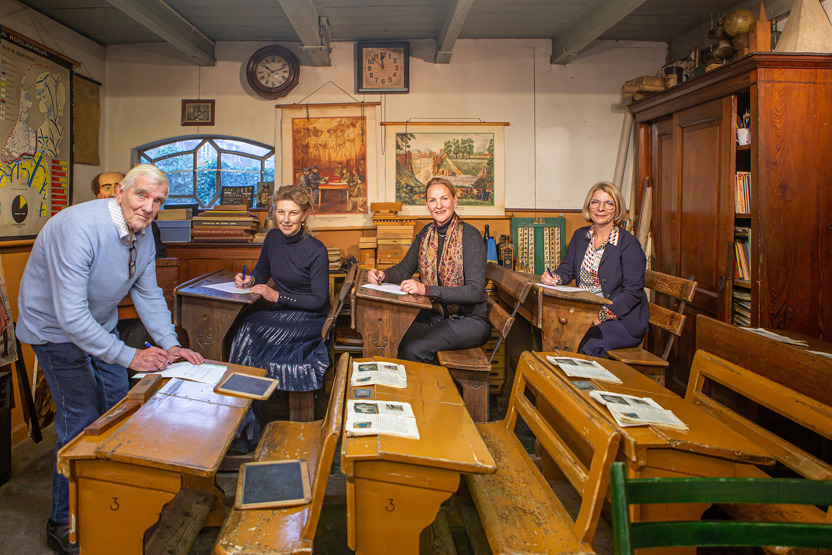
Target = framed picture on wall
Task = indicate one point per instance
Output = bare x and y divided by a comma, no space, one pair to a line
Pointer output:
470,155
197,112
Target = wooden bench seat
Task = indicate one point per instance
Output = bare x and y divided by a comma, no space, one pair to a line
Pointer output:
290,529
747,384
681,291
519,510
470,368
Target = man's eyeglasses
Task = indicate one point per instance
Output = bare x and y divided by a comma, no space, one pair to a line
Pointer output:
608,204
132,261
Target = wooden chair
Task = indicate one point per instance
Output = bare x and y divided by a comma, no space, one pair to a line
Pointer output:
638,491
470,368
290,529
302,403
672,321
519,510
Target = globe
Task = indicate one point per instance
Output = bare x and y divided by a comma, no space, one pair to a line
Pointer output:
738,21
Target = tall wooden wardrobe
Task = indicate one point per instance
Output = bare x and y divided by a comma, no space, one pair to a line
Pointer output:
686,144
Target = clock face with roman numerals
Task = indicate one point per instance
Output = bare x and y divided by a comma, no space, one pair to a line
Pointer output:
273,71
382,67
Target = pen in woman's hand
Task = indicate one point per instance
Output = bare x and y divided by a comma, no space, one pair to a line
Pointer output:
548,271
244,276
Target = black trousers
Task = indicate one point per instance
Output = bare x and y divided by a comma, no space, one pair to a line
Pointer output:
430,333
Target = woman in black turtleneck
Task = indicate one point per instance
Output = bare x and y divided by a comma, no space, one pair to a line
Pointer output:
450,257
286,340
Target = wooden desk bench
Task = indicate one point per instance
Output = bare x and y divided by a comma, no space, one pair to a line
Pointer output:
798,407
519,511
290,529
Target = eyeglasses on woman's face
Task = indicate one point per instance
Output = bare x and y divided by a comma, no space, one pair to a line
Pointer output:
607,204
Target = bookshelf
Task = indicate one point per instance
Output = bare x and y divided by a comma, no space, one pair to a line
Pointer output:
741,295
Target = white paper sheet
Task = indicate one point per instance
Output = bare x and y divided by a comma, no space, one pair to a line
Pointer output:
229,287
205,373
581,368
393,288
777,337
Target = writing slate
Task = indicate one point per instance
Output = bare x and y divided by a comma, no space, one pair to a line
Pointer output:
237,195
246,385
268,484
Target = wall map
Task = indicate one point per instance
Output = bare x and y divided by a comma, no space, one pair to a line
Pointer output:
35,134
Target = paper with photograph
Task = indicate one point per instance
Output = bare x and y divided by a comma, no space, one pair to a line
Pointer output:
629,410
378,373
582,368
380,417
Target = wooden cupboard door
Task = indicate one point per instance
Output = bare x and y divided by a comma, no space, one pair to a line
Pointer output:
702,138
791,246
665,197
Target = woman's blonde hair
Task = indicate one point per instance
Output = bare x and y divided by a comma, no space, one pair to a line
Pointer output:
440,181
299,196
620,215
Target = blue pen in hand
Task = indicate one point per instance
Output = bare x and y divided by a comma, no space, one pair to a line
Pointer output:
244,277
148,345
551,275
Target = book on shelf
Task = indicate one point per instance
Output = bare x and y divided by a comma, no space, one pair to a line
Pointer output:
742,267
231,222
582,368
379,373
220,231
742,196
395,418
629,410
174,214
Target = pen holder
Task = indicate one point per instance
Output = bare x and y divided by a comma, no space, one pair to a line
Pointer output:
743,137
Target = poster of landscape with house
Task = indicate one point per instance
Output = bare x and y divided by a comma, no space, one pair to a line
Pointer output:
471,159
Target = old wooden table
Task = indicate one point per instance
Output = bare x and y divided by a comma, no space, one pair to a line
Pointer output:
208,314
562,316
383,318
396,485
120,480
709,448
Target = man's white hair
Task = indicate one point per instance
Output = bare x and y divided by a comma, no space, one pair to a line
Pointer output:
150,172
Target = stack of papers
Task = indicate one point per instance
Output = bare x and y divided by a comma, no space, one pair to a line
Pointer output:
367,418
581,368
393,288
637,411
204,373
378,373
777,337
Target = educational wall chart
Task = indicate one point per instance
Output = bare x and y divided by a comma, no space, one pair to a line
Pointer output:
36,136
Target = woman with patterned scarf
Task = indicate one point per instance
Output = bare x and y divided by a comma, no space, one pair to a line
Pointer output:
450,257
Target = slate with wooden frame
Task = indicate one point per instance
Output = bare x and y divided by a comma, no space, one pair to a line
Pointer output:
242,384
267,484
197,112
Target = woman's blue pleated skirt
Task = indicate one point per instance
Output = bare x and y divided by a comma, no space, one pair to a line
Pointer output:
288,344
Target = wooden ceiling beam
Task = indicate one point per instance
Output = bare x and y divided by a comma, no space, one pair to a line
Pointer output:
312,31
158,17
593,22
452,22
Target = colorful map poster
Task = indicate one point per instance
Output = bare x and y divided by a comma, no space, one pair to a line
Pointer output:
35,135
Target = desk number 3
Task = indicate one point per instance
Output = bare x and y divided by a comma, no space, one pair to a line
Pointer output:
390,507
114,504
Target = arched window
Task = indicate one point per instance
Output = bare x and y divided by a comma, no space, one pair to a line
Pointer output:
198,166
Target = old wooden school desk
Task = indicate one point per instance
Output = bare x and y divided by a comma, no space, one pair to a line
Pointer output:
709,448
120,479
383,318
396,485
562,316
208,314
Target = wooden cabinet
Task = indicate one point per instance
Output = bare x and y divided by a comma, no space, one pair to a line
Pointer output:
686,145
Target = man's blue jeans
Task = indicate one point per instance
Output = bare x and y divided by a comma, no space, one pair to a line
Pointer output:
83,388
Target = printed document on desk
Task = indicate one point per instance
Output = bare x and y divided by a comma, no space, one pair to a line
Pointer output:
229,287
629,410
378,373
205,373
581,368
393,288
564,288
366,418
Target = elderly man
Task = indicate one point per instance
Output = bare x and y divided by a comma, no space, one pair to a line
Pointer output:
84,261
105,185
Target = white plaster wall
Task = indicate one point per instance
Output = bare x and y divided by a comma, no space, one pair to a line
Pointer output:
565,121
69,43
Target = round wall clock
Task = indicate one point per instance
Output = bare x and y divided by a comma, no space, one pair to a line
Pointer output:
273,71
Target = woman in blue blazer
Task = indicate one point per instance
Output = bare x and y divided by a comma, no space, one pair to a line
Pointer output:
607,260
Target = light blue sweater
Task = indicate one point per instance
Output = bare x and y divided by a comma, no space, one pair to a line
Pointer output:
77,274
